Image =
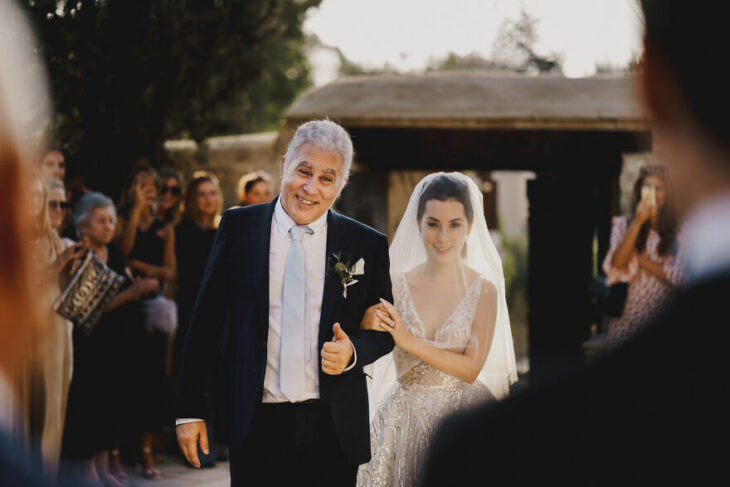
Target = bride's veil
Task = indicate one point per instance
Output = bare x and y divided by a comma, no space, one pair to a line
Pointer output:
407,251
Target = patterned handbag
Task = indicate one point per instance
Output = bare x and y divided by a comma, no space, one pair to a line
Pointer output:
90,290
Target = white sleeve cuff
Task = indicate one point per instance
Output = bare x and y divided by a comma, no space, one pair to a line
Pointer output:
180,421
354,358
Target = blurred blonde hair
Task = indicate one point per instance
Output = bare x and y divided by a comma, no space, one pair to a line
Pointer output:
252,177
42,222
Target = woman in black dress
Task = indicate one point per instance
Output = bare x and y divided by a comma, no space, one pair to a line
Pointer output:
95,406
193,240
149,247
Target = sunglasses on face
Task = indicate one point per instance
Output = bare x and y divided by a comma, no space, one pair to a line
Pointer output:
173,190
55,205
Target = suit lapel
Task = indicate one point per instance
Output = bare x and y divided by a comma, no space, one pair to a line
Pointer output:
260,243
332,285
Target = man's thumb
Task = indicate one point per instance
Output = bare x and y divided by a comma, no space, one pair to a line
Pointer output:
339,332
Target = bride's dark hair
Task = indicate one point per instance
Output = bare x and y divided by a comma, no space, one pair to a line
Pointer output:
444,188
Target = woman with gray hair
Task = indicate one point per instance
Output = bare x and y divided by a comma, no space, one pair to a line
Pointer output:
95,404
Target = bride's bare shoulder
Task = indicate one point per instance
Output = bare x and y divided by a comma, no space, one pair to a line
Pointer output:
488,288
471,274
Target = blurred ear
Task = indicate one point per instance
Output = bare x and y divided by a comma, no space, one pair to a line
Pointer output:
658,89
281,167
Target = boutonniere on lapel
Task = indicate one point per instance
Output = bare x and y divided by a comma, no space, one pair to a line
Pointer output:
346,271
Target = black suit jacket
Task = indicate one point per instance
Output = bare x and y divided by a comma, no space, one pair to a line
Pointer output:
236,279
650,413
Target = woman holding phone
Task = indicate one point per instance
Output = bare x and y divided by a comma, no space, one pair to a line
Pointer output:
644,253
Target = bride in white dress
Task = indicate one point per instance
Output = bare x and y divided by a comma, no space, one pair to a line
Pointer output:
450,324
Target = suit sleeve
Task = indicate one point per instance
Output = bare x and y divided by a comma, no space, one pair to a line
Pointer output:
206,325
371,345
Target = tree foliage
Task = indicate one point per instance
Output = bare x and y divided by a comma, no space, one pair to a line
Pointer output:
514,48
128,74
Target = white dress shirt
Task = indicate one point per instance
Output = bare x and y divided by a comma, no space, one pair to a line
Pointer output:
315,259
707,236
315,263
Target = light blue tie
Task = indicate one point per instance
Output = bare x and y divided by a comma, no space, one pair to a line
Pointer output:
293,314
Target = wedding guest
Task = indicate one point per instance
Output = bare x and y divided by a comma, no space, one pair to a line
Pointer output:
147,242
644,253
96,402
149,247
652,410
53,164
45,380
254,188
75,189
58,207
169,209
193,240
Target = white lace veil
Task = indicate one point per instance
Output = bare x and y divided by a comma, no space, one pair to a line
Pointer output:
408,251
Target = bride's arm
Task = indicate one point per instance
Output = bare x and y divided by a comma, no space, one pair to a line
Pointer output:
465,366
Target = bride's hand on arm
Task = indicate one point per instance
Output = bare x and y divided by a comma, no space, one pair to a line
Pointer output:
464,365
372,318
391,322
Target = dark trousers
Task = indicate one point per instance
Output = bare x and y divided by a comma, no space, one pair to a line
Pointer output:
291,444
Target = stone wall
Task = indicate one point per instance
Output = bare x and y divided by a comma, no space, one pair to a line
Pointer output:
228,157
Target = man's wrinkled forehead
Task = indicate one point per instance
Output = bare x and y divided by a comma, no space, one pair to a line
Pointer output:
303,155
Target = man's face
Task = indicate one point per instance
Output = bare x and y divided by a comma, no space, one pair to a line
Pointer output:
310,183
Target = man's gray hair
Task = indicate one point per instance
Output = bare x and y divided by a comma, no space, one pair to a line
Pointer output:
86,206
326,135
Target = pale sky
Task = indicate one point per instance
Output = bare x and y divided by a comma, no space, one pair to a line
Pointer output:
407,33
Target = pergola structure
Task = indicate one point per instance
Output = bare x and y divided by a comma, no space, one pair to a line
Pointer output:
571,133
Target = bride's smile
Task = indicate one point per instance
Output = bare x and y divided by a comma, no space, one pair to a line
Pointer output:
444,228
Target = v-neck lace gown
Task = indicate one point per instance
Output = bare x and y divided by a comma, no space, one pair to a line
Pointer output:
408,415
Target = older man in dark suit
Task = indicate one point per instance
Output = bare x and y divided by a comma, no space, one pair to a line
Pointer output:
297,279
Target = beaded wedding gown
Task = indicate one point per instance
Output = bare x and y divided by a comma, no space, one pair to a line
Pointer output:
421,396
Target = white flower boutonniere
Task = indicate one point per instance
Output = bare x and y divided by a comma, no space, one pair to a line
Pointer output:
346,270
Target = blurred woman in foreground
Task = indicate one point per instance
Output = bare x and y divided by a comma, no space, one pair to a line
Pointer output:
24,319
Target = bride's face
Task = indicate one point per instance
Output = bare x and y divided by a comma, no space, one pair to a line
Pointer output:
444,228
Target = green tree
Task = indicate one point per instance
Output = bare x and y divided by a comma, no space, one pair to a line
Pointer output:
514,48
513,51
128,74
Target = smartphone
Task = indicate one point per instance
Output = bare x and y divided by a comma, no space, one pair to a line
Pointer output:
648,193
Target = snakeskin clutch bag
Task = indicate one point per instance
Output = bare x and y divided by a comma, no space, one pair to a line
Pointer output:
88,293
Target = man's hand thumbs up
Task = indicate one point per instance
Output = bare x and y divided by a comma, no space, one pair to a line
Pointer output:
339,333
336,354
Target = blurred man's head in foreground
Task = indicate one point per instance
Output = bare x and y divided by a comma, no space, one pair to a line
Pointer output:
684,86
